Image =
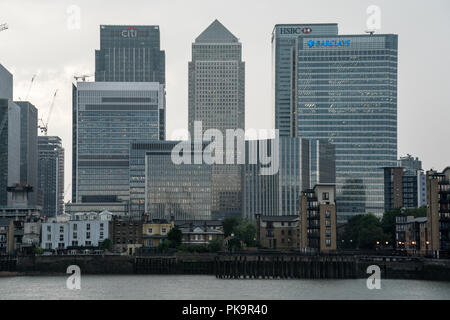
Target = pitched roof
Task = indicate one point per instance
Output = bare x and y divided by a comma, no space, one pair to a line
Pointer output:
216,33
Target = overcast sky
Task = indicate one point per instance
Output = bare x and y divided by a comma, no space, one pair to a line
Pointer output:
39,41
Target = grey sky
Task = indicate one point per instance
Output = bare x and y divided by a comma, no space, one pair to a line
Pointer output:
39,42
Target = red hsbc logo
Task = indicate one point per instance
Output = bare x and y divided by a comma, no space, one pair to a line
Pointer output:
295,30
306,30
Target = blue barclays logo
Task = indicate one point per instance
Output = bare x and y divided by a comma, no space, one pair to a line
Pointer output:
329,43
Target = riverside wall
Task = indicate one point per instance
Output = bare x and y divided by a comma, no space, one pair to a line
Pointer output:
232,266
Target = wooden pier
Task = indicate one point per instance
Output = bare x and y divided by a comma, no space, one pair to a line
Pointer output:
285,267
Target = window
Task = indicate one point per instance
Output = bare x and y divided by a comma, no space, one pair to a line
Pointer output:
49,228
328,242
61,229
61,237
327,214
88,226
49,237
88,235
163,230
325,196
75,227
150,230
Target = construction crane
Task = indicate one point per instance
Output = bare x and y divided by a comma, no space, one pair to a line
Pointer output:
43,126
82,77
29,88
31,85
3,26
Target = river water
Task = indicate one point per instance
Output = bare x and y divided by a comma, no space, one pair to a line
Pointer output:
188,287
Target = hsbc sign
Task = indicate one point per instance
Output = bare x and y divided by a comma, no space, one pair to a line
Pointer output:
295,30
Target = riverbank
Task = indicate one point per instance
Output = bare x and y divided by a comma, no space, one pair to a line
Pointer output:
235,266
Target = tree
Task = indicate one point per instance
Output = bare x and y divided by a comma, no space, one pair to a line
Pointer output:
229,224
363,231
175,237
106,245
245,231
38,250
215,245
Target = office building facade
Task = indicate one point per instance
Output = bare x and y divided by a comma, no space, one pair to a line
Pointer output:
216,98
6,83
284,38
9,148
107,117
346,93
302,163
28,147
130,54
182,191
51,175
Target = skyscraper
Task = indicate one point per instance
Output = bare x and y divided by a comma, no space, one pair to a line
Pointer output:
28,148
182,191
130,54
6,83
51,175
107,117
284,38
303,163
9,148
9,136
346,89
216,98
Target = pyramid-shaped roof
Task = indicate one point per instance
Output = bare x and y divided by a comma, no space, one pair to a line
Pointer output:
216,33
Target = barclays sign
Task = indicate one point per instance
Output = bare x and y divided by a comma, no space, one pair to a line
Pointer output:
329,43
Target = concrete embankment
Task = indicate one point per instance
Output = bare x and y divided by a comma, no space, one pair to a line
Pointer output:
255,266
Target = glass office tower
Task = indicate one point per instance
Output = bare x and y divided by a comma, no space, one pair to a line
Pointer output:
283,56
9,148
107,117
28,148
182,191
303,163
346,90
216,98
130,54
51,175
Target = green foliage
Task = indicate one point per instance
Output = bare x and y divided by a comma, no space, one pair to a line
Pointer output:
38,250
106,245
175,237
215,245
165,246
192,248
229,224
245,231
363,231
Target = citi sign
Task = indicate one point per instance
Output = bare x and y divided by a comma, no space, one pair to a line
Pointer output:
328,43
296,30
131,32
